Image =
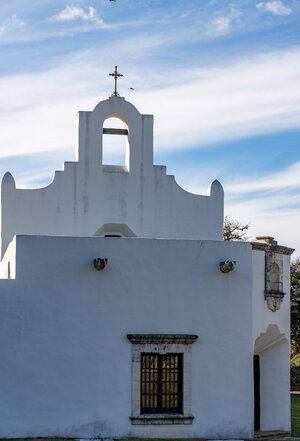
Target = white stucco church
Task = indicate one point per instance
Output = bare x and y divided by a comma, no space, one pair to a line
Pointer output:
123,312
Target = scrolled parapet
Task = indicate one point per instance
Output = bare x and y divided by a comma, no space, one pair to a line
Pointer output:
8,180
216,189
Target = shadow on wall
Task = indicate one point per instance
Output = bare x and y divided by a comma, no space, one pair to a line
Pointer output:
114,230
272,397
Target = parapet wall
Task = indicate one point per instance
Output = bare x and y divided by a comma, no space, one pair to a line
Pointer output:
86,194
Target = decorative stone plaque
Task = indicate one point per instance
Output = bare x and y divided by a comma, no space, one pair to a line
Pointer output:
273,269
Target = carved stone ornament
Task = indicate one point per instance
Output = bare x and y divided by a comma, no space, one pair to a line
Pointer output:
274,299
273,269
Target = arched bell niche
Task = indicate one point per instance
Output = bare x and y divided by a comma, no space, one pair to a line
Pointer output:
115,143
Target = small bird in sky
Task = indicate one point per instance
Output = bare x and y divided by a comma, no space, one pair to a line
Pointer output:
131,88
112,0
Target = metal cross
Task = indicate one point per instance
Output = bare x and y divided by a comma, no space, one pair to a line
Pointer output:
115,75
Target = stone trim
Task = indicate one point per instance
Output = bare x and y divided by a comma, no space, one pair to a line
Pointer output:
274,253
161,344
279,249
162,419
184,339
274,299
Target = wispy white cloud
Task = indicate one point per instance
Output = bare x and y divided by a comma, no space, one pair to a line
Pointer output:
270,203
71,13
79,21
276,7
245,98
11,23
284,179
260,94
268,217
256,96
222,24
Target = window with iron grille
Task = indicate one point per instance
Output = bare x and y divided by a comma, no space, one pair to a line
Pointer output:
161,383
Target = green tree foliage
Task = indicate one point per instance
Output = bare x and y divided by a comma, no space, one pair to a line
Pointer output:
295,306
234,230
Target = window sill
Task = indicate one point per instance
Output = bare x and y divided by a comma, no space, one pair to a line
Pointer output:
162,419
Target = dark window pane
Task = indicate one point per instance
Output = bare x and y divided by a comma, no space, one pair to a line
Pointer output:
161,383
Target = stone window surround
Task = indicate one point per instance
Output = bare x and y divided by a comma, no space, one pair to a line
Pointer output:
162,344
273,255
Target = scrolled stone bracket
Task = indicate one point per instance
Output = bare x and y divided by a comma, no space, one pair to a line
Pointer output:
274,299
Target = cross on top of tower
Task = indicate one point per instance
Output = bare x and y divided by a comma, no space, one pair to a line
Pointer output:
115,75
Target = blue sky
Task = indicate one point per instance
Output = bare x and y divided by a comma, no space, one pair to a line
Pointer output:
222,79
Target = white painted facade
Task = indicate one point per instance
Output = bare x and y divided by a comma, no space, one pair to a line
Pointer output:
68,368
271,341
86,194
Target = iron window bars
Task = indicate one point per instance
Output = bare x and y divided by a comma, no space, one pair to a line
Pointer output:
161,383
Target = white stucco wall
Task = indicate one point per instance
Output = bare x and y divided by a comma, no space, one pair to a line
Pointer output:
262,315
275,387
66,361
271,341
87,194
8,263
